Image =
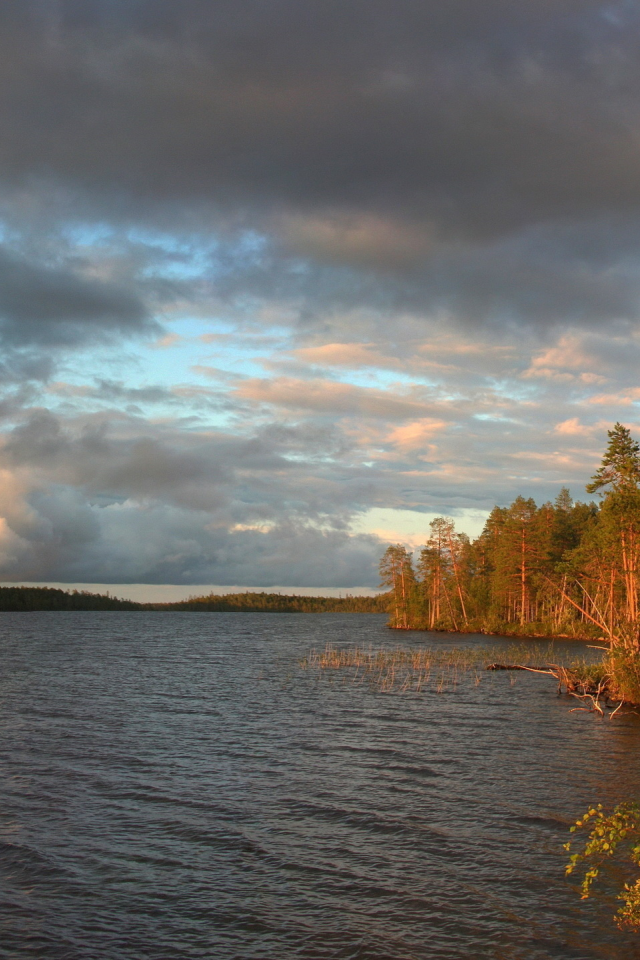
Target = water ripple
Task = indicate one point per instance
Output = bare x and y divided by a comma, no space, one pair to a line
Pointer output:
172,786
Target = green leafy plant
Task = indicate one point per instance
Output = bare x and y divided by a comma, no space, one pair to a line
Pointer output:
613,838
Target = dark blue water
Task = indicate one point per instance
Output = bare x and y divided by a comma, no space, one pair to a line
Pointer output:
174,786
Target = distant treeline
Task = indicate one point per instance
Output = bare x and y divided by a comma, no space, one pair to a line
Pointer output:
278,603
49,598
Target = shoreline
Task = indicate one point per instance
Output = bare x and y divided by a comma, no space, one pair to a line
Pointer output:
494,633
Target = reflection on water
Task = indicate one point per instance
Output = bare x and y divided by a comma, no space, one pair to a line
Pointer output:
173,786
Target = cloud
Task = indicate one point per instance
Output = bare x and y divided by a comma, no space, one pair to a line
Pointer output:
482,163
571,358
622,398
280,264
93,498
327,397
378,105
357,239
47,309
416,435
155,543
573,428
355,355
111,496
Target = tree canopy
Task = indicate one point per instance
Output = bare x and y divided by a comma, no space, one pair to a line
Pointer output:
561,568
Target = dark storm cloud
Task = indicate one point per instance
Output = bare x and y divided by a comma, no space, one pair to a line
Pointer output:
165,545
475,158
549,276
476,118
54,307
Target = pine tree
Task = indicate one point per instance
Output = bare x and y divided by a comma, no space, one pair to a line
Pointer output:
564,501
397,573
433,568
443,567
620,468
515,560
618,481
484,594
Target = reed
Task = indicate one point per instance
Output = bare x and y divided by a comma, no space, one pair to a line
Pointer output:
414,669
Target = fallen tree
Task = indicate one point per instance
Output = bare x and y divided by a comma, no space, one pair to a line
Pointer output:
593,685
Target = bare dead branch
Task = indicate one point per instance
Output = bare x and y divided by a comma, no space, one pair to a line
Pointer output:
518,666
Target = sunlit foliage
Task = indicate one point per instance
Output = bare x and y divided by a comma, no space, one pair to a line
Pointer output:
613,841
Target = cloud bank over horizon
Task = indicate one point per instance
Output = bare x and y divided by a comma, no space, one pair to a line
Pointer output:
278,279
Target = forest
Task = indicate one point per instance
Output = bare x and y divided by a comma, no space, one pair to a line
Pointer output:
276,603
21,598
17,599
564,568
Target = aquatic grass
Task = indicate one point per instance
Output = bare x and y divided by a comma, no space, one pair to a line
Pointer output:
404,669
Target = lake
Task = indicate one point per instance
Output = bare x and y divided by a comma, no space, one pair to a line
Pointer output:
173,785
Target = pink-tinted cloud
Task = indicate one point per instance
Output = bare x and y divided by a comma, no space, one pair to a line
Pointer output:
416,435
574,428
328,397
568,360
356,355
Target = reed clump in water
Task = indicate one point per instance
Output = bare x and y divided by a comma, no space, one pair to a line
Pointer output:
417,668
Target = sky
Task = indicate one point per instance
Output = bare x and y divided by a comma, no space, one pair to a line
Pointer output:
283,280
